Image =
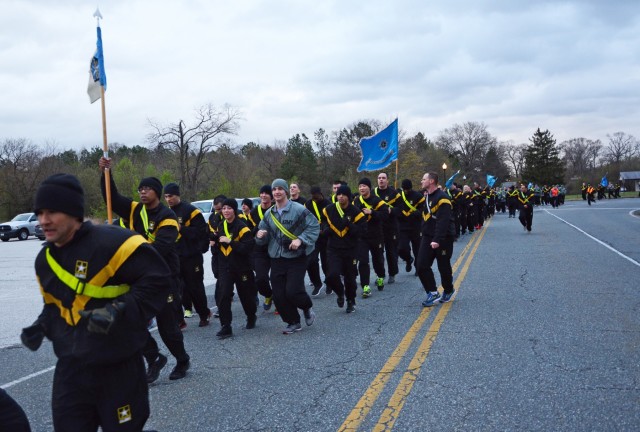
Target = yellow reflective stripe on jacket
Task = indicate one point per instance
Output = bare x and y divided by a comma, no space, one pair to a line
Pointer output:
343,232
71,316
226,250
340,233
315,208
390,202
225,225
522,199
82,288
122,254
411,208
282,228
365,203
165,222
435,208
193,214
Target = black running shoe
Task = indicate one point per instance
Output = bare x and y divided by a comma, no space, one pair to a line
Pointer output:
154,368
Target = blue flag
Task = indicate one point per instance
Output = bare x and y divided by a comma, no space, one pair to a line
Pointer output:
604,182
97,76
380,150
450,181
491,180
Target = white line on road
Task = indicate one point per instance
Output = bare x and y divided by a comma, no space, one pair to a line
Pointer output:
33,375
631,260
43,371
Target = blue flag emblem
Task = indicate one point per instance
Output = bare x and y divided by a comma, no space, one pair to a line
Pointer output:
491,180
97,75
379,150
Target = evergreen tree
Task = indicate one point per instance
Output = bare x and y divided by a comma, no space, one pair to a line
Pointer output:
300,160
542,160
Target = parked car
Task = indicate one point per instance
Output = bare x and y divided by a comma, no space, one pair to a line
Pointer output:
21,227
39,232
205,206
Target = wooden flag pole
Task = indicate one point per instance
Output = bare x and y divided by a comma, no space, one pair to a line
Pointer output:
105,151
395,183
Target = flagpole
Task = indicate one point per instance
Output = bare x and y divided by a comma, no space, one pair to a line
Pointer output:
105,150
105,145
395,183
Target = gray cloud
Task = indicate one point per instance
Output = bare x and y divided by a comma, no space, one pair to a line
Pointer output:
293,67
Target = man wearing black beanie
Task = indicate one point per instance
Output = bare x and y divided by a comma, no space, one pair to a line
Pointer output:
234,243
193,241
159,226
376,212
97,303
344,226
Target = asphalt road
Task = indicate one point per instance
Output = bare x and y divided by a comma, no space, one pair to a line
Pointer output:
543,334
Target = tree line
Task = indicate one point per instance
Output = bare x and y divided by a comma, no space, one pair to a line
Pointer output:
201,156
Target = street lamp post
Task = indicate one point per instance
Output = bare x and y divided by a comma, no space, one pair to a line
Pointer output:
444,172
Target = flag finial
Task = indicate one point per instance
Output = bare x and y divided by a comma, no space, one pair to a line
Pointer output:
97,14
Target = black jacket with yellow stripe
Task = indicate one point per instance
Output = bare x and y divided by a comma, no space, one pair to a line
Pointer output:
234,256
194,230
101,256
408,210
438,223
525,198
344,230
379,214
161,229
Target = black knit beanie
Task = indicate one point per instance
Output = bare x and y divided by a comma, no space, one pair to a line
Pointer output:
247,202
172,189
365,181
231,203
61,192
406,184
266,189
344,190
153,183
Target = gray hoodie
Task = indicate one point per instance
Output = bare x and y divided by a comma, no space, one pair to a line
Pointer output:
298,221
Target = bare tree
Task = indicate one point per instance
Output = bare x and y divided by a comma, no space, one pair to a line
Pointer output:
468,143
622,147
580,155
22,168
514,155
192,143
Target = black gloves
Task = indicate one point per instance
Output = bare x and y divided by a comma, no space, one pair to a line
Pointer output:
102,319
32,336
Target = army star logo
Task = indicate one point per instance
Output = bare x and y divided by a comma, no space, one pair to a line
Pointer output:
124,414
152,225
180,220
244,278
81,269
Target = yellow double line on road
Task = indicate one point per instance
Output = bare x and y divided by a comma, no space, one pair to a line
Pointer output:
397,400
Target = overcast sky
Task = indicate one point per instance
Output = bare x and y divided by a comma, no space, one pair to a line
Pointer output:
572,67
